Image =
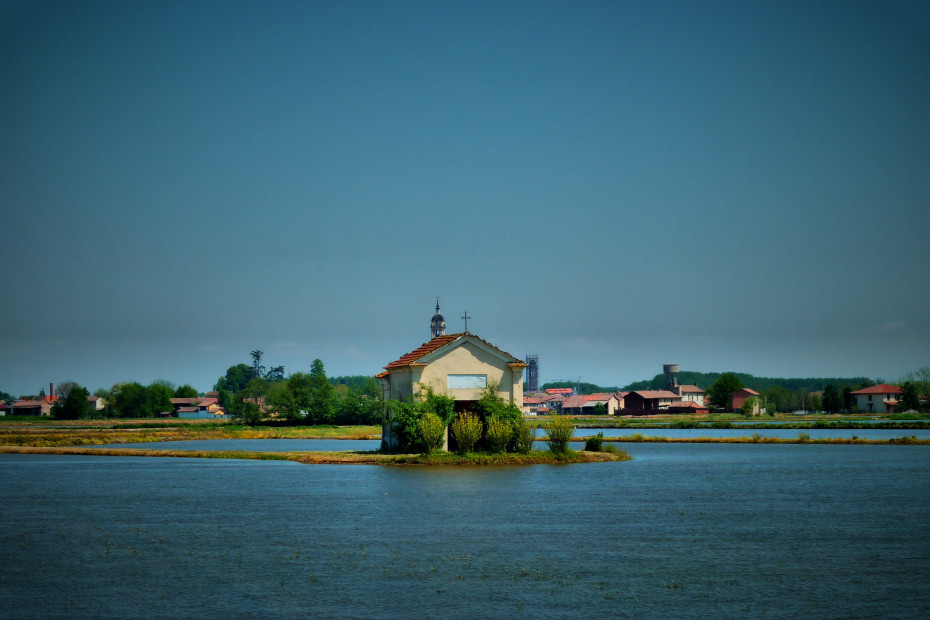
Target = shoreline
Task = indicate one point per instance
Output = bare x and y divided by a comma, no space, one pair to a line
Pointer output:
538,457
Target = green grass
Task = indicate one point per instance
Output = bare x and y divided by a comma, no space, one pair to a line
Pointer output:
348,458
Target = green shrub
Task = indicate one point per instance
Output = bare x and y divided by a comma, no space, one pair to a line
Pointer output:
594,444
467,430
558,433
804,437
432,432
523,436
498,434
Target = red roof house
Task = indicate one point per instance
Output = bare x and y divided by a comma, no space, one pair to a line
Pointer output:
881,398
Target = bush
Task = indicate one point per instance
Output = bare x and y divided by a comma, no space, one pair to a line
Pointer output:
804,437
594,444
750,406
498,434
432,432
523,436
558,433
405,423
467,430
612,449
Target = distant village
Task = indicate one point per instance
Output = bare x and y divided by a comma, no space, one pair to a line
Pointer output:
196,407
463,366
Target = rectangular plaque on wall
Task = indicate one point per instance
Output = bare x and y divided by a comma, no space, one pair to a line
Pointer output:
467,382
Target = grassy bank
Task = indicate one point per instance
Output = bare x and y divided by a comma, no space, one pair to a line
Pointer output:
343,458
76,434
733,420
800,439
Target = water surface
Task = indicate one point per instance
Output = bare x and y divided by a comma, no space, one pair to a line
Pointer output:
688,530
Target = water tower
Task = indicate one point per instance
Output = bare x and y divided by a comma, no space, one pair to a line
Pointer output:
671,373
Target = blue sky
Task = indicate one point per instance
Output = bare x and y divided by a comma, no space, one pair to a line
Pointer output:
611,185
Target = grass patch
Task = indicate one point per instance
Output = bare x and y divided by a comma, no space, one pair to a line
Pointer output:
537,457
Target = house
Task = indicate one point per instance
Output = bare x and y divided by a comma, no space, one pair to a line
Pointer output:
691,393
542,403
96,403
591,404
461,366
881,398
197,408
675,399
39,406
644,401
739,397
689,406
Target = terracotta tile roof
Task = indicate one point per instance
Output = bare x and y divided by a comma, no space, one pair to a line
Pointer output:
206,402
425,348
691,389
691,404
184,401
186,409
573,402
410,359
746,391
599,396
655,394
881,388
29,403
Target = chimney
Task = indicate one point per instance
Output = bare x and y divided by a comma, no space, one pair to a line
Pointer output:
51,392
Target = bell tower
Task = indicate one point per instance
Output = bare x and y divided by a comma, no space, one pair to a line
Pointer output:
437,326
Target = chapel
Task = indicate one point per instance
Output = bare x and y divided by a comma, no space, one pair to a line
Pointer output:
460,366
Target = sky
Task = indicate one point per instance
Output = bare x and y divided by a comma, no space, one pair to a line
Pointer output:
730,186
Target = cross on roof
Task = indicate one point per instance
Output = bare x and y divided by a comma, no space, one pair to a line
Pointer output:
466,317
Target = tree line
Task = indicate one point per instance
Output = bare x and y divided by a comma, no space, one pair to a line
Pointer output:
251,393
831,398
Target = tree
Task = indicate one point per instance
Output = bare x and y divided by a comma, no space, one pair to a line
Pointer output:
910,401
275,374
257,369
849,401
185,391
278,400
129,400
235,379
815,403
750,406
74,406
157,399
721,392
777,398
921,380
321,408
832,399
64,388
